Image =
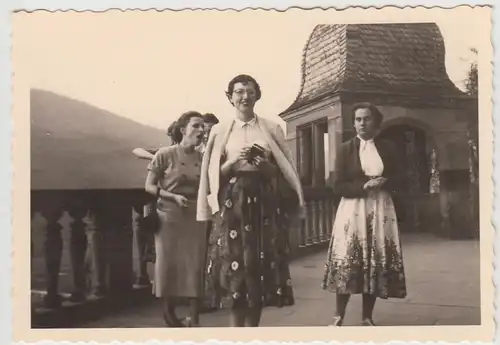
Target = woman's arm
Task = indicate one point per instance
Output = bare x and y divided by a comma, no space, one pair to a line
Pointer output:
142,153
227,166
343,184
152,187
161,161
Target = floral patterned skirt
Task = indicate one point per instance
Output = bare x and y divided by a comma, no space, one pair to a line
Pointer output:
365,253
248,259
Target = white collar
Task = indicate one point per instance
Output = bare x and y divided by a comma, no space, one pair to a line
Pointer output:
250,123
364,142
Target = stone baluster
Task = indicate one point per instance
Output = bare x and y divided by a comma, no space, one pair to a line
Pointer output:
322,219
309,224
94,228
141,241
118,240
77,209
303,232
315,221
50,204
330,216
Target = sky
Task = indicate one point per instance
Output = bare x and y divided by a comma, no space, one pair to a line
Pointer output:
151,68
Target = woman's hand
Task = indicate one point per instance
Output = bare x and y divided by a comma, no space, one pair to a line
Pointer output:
182,201
376,183
243,155
262,163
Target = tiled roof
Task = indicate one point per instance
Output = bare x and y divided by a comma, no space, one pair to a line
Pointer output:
381,58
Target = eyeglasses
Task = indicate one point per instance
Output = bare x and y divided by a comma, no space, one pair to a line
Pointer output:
241,92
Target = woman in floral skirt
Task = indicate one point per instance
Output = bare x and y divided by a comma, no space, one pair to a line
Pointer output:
365,254
251,199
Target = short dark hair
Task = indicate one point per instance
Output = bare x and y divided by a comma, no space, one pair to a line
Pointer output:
181,123
244,79
210,118
377,115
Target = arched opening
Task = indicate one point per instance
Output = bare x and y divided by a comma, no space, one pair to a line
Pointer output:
415,161
411,141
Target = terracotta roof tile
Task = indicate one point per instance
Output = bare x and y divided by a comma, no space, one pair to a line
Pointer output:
386,58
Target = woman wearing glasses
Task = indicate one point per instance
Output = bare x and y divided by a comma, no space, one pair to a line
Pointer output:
250,189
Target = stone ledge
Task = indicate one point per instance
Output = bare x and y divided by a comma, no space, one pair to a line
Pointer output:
73,314
70,314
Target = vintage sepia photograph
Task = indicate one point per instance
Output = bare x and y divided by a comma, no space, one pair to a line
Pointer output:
220,169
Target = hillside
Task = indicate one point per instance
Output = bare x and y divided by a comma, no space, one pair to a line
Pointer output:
75,145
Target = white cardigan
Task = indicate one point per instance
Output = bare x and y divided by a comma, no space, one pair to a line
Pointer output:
208,203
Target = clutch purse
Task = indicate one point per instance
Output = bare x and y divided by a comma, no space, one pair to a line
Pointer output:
256,151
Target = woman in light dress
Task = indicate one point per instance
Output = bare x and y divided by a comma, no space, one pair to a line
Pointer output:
180,242
251,200
365,255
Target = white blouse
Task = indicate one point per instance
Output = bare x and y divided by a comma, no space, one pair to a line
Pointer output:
244,134
371,162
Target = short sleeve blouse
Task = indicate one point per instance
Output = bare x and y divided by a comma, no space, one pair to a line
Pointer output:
178,170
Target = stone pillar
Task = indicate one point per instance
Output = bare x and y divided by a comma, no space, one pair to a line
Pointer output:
334,139
51,206
141,241
77,209
118,241
305,156
319,155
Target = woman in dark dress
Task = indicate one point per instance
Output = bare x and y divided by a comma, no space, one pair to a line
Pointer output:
365,255
252,200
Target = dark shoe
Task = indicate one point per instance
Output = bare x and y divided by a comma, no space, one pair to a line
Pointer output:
172,323
337,321
142,282
367,322
188,322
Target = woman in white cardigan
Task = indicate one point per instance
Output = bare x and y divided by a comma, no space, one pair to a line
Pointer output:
251,200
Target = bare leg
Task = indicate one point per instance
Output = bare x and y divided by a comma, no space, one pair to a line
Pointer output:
342,300
368,306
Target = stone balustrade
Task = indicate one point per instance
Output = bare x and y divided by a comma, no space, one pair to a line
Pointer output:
105,231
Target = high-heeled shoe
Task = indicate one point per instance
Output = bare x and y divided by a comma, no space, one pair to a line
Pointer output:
337,321
172,323
367,322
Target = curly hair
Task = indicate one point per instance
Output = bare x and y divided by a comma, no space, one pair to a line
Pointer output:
180,123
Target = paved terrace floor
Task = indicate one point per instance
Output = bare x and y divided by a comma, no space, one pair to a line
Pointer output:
443,289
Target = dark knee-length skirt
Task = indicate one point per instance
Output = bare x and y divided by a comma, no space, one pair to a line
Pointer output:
248,256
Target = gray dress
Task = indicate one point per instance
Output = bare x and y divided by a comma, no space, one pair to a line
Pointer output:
180,242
